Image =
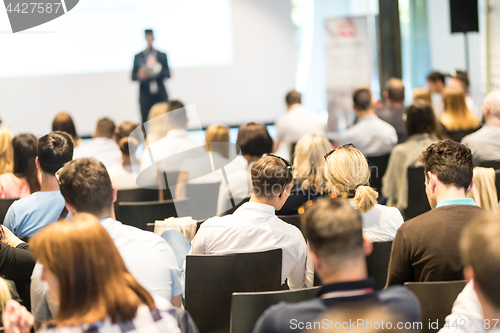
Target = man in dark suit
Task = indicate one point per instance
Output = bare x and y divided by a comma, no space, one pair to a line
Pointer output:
150,68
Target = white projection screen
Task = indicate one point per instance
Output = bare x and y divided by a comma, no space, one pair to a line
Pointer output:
235,60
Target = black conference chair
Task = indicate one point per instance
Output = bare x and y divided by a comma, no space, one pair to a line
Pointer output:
239,203
436,300
378,165
377,263
246,308
139,214
203,198
169,178
495,165
4,207
212,279
293,220
134,195
417,198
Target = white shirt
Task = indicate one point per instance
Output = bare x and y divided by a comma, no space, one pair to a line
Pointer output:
148,257
297,123
371,135
206,168
239,181
254,227
465,308
124,179
102,149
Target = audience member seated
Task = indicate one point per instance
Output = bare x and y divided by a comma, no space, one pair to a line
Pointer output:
6,150
24,179
467,307
206,167
338,249
254,227
64,123
90,281
372,136
309,180
460,79
349,175
102,146
122,174
27,216
485,143
422,129
253,141
156,129
394,112
457,121
422,93
173,149
426,247
435,80
86,188
484,191
296,123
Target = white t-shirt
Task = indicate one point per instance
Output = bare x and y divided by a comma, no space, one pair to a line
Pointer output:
102,149
206,168
297,123
254,227
124,179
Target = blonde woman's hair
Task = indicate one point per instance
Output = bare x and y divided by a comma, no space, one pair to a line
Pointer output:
4,294
157,128
218,134
422,93
484,191
6,150
347,172
456,115
309,162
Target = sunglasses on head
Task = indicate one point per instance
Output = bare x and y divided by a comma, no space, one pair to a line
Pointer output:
333,150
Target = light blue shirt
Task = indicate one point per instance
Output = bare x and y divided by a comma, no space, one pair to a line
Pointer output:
449,202
27,216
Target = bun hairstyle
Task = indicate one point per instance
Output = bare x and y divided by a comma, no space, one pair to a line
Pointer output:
127,144
347,172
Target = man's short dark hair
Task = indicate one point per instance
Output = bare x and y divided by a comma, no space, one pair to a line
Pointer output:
435,76
462,77
395,90
86,186
293,97
362,99
148,32
175,104
54,150
334,230
450,161
254,140
420,118
270,175
105,128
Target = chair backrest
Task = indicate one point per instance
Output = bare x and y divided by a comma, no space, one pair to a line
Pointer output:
139,214
293,220
203,198
169,178
4,207
377,263
134,195
212,279
238,202
378,165
417,199
246,308
436,300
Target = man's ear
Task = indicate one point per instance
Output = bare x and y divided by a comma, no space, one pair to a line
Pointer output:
367,245
70,209
115,192
315,260
37,163
385,94
470,187
432,179
468,273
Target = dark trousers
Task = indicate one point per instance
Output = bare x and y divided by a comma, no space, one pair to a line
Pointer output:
147,101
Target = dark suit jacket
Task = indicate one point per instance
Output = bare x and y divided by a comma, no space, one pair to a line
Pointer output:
140,61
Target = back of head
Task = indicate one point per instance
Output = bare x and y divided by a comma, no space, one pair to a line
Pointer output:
293,97
333,229
463,78
158,109
94,282
127,144
480,249
24,159
219,135
309,162
455,109
64,123
484,191
362,99
450,161
175,104
105,128
54,150
6,150
493,102
420,118
422,93
395,90
177,115
86,186
270,175
254,140
347,172
435,77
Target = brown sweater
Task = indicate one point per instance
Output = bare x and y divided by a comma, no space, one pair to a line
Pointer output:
426,248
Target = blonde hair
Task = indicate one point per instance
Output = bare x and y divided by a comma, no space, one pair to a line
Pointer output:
6,150
309,162
4,294
347,172
456,115
157,128
216,134
422,93
484,191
